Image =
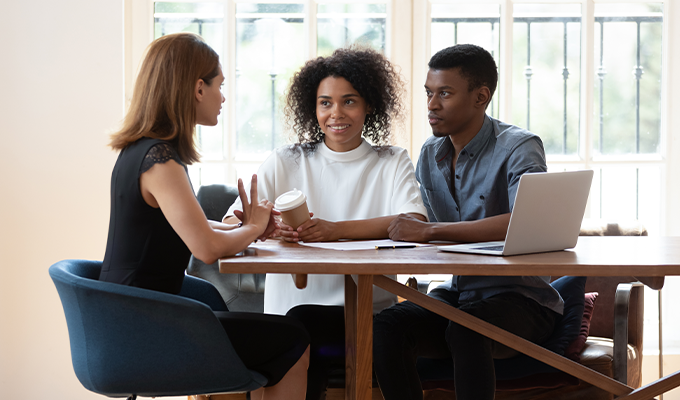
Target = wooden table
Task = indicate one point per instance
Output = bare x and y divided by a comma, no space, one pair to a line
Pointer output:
593,256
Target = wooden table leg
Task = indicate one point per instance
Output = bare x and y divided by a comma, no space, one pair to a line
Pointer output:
365,338
358,338
300,280
350,338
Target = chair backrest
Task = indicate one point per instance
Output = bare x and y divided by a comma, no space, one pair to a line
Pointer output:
127,340
602,323
241,292
216,199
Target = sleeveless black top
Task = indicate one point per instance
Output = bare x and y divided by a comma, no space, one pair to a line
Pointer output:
142,249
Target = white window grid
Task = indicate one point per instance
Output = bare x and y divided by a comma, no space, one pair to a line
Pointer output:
408,45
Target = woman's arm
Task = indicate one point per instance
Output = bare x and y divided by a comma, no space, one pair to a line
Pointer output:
223,226
232,220
167,186
320,230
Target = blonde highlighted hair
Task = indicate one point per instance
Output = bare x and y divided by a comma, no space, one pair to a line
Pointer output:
163,104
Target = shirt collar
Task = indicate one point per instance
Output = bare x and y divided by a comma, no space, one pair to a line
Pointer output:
345,156
445,148
481,138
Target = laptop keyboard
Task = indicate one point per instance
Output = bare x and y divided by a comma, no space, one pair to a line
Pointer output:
492,248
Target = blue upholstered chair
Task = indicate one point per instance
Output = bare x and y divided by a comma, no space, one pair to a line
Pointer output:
127,341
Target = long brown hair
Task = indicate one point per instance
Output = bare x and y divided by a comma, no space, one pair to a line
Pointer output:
163,104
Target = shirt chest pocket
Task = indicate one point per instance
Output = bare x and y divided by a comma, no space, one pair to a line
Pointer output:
442,205
485,204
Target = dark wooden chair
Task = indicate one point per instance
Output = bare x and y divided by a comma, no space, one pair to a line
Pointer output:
613,346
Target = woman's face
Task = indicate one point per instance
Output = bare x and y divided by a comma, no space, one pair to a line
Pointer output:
341,112
209,100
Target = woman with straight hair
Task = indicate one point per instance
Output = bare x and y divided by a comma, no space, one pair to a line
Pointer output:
156,221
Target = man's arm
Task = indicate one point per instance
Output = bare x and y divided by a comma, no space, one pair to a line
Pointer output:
528,156
407,228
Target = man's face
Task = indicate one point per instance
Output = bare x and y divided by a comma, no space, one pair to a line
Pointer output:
452,109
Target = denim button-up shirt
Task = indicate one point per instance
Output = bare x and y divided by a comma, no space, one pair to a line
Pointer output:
483,184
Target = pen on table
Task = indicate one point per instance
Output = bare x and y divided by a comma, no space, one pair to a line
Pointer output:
405,246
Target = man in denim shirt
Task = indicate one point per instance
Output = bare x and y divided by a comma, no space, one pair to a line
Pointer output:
468,172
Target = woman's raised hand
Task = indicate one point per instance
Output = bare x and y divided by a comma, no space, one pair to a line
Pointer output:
256,213
273,228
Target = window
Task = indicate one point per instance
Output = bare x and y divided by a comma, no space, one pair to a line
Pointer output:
542,88
261,47
454,23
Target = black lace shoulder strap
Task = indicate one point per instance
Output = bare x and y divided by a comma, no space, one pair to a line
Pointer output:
159,153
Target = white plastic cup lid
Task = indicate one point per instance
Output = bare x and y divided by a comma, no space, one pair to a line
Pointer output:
290,200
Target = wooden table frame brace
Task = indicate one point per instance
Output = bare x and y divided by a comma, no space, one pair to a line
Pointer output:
624,392
515,342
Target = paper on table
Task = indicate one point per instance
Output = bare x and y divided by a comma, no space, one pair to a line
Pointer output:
361,244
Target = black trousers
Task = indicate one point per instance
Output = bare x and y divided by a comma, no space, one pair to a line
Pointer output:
268,344
326,327
406,331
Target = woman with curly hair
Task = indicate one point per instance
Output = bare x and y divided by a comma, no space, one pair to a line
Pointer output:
335,106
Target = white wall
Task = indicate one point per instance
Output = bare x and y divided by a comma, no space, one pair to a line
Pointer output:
61,90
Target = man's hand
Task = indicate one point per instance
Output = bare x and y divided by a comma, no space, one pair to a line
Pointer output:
408,228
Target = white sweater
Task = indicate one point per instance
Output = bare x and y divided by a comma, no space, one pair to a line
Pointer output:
353,185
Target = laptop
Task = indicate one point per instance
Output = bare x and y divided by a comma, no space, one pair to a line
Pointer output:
547,216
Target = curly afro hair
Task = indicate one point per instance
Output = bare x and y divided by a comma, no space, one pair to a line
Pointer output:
370,73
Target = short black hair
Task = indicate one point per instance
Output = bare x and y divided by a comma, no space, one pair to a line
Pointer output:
476,65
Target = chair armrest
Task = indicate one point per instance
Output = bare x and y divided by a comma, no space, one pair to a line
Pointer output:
201,290
621,306
419,285
422,283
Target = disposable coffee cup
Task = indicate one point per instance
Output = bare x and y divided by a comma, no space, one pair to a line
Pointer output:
293,207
